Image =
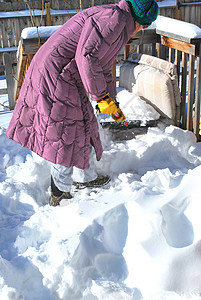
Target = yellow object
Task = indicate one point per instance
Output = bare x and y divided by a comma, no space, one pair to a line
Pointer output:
107,105
121,118
199,125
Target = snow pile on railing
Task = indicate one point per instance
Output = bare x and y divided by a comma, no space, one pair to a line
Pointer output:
176,27
162,23
43,31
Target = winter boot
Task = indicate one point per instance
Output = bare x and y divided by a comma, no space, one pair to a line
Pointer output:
57,195
98,182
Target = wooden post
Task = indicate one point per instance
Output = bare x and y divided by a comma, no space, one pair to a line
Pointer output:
48,15
171,55
189,124
140,48
183,90
153,50
126,51
9,79
162,52
177,63
177,10
198,95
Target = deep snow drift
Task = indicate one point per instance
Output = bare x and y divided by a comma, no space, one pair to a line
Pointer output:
137,238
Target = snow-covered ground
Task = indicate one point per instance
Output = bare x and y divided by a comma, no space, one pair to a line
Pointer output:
137,238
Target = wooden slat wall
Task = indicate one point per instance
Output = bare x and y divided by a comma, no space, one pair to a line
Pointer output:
8,26
191,13
11,28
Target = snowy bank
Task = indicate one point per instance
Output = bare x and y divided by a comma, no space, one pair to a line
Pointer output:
136,238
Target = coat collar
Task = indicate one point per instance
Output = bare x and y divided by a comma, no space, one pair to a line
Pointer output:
125,8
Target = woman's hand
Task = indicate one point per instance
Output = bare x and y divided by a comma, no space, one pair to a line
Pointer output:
107,105
118,116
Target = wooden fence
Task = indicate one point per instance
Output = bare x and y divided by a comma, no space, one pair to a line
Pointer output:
12,26
185,10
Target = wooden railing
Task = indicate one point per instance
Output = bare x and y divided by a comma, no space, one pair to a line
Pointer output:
185,53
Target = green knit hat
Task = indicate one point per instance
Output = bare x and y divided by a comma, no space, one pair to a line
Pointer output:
144,11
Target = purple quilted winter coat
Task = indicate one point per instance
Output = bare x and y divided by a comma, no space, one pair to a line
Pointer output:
53,115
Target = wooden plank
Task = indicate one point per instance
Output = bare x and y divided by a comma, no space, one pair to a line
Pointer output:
48,15
171,55
9,79
4,35
169,12
197,95
20,69
182,9
197,12
17,31
177,63
140,48
198,16
189,123
177,11
178,45
27,21
3,91
192,15
2,68
20,77
162,52
187,14
126,51
183,90
1,38
153,50
11,36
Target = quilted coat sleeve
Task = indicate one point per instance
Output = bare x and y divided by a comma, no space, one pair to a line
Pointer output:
94,57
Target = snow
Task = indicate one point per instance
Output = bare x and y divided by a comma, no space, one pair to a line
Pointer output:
43,31
137,238
167,3
162,23
181,28
35,12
